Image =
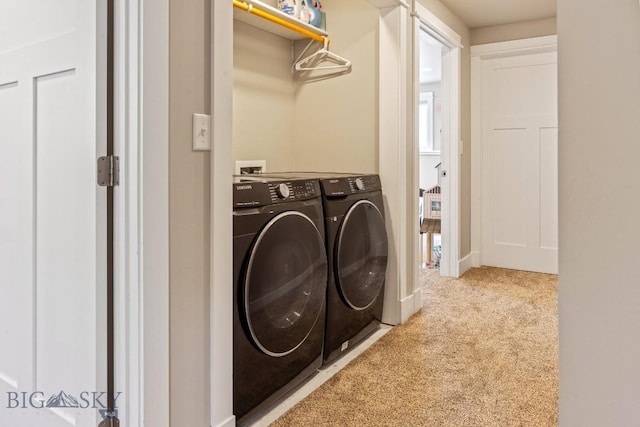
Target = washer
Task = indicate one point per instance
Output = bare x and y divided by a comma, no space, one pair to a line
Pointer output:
357,251
280,280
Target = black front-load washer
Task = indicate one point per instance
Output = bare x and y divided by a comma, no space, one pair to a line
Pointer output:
357,251
280,280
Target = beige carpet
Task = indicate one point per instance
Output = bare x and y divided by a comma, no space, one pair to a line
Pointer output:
482,352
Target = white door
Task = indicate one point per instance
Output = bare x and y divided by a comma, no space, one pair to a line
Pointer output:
520,163
52,215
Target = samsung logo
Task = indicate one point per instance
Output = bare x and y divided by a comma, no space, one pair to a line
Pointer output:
244,187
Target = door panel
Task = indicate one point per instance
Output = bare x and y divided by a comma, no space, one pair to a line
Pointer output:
520,174
510,181
52,264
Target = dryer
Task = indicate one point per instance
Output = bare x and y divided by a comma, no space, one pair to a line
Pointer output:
280,280
357,252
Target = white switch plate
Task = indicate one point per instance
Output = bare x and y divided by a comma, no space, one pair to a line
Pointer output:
201,132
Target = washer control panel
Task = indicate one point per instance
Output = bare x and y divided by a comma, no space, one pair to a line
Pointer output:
344,186
294,190
260,192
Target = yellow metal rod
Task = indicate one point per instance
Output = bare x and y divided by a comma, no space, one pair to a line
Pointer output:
279,21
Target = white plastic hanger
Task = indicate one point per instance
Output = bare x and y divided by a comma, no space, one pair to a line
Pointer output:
322,54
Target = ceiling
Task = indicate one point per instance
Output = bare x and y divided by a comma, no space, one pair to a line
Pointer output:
486,13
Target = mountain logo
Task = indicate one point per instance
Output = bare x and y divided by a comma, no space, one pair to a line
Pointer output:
62,400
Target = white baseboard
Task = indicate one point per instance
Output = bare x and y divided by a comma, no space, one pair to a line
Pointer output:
475,259
464,264
417,300
229,422
410,305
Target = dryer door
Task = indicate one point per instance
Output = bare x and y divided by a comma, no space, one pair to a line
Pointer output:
361,255
285,283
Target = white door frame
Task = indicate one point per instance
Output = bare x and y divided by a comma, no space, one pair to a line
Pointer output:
221,240
393,67
142,211
399,153
479,54
152,38
450,151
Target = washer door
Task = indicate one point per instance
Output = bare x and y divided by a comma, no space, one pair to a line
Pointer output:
361,255
285,283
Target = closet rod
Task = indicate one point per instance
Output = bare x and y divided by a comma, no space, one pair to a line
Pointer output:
277,20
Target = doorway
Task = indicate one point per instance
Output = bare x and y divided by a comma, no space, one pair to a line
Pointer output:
436,92
429,143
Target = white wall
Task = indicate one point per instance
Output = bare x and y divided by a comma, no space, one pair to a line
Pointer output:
264,113
435,87
336,125
428,173
599,188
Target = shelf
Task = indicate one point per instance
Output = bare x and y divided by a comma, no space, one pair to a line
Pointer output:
273,27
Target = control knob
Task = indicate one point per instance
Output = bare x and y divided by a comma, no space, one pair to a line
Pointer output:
359,184
282,190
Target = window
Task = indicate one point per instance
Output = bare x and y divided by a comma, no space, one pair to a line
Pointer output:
425,128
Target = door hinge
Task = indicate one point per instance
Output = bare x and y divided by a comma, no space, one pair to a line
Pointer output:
108,171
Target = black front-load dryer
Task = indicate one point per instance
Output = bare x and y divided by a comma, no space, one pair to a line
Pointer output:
357,251
280,280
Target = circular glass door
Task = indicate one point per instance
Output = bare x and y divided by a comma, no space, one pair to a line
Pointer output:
284,288
361,255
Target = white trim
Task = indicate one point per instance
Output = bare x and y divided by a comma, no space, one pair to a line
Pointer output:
441,31
410,305
465,264
128,291
229,422
475,259
450,153
479,54
515,47
417,299
393,63
476,159
154,216
221,238
385,4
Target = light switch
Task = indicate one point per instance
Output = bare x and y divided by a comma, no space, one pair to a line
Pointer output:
201,132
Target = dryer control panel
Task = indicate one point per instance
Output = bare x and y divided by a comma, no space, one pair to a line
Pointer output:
344,186
254,192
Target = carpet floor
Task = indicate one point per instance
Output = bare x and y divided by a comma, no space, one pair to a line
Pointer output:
483,351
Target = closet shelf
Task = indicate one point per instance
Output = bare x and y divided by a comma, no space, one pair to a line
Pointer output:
270,19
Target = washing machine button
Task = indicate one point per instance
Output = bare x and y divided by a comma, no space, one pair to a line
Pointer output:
359,184
282,190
